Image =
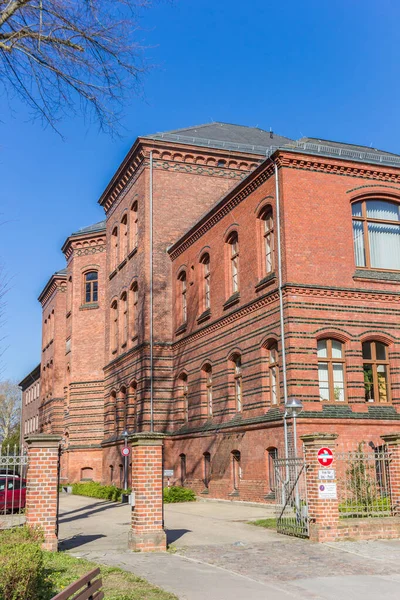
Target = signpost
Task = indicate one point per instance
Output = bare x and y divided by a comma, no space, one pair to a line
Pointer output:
327,491
325,457
125,451
168,473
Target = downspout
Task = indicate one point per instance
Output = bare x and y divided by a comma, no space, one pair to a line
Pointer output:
281,315
151,293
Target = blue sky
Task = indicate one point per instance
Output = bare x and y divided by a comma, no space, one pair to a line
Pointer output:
324,69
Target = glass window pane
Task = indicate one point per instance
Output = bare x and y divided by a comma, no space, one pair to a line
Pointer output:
273,383
321,349
380,209
366,350
382,383
336,349
380,351
368,383
384,242
91,276
359,247
356,209
338,381
323,381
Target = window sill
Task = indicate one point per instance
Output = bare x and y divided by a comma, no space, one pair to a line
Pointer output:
121,264
181,329
132,252
89,306
112,274
265,282
234,299
375,275
204,316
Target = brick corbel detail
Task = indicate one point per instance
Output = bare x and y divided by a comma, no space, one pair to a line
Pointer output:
323,514
42,484
147,533
392,441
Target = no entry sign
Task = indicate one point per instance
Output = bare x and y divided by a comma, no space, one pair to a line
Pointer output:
125,451
325,457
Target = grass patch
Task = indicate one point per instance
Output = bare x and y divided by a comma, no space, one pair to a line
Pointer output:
266,523
62,569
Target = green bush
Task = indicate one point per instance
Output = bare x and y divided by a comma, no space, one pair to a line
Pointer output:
178,494
94,489
21,564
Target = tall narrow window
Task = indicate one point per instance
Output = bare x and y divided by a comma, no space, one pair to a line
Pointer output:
114,327
69,295
91,287
114,249
206,280
131,412
376,232
273,370
133,226
236,469
233,241
124,314
124,245
133,306
182,458
207,469
272,456
376,372
184,393
268,239
183,294
209,389
238,382
331,370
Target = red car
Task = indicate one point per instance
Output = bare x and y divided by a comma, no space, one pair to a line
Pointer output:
12,493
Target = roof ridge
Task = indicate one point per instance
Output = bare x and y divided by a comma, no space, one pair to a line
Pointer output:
346,144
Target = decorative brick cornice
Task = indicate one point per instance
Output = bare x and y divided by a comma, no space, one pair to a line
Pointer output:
336,292
56,283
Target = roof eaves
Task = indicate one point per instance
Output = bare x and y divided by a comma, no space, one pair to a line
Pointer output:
30,378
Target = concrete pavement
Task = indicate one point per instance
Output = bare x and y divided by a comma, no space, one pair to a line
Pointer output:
219,556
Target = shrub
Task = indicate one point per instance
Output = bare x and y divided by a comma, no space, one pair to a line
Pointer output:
21,564
94,489
178,494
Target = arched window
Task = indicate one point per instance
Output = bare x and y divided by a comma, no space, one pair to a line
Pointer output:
124,246
376,372
267,222
376,231
133,226
111,475
233,242
182,459
185,396
133,306
91,287
121,411
273,372
114,249
207,369
207,468
131,409
114,327
205,260
111,414
236,469
331,370
183,297
237,375
124,318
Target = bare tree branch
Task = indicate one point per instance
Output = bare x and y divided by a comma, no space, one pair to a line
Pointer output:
61,56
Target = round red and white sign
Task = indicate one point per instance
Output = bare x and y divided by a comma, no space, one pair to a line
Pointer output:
125,451
325,457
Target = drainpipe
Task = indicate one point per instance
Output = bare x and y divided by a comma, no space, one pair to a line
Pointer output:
151,292
281,316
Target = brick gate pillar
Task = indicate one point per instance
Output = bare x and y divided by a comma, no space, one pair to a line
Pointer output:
392,440
147,533
42,484
323,513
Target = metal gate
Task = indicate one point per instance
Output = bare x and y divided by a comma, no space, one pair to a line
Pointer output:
291,497
13,469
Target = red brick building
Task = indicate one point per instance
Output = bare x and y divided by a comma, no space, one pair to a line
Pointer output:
30,388
242,268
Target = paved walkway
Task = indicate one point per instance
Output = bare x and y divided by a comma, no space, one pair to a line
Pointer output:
218,556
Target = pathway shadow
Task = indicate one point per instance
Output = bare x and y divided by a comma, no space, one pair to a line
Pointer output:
78,540
175,534
85,512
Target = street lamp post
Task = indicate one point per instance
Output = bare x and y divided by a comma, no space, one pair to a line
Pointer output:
126,458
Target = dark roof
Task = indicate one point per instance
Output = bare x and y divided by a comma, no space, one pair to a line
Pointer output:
345,145
30,378
100,226
252,140
61,272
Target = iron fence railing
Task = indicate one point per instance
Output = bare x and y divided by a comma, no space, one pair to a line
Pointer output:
291,496
363,483
13,468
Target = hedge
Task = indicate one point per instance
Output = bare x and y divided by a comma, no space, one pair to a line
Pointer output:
178,494
94,489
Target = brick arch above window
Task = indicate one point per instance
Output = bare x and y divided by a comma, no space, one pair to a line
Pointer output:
263,204
336,334
377,337
232,229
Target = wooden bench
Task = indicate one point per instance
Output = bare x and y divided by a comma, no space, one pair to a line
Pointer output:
91,588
